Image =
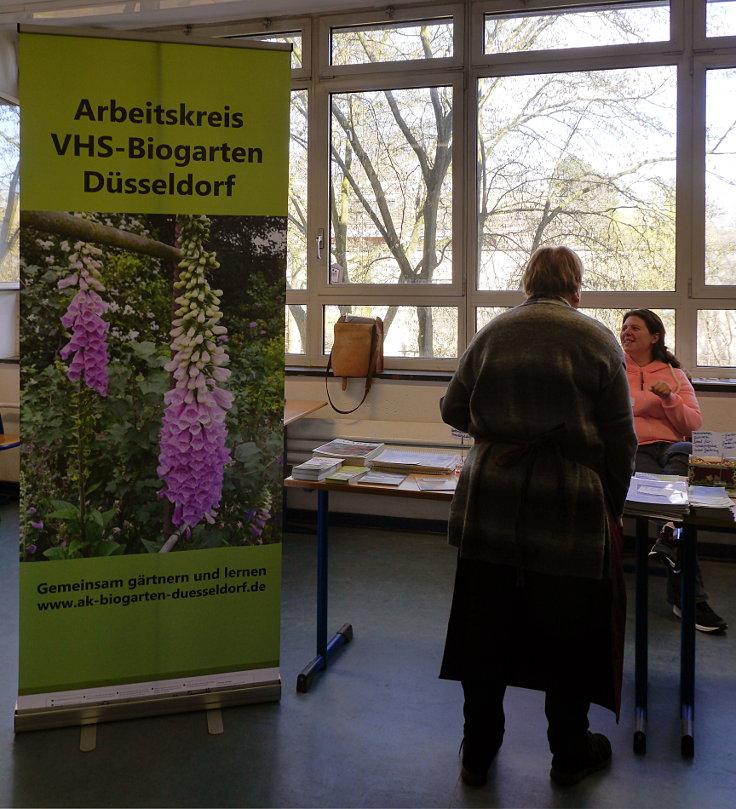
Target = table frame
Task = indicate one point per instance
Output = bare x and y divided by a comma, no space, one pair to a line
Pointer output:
691,524
326,649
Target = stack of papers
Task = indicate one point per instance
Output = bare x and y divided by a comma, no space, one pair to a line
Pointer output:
316,468
712,501
346,474
349,450
422,463
383,478
437,484
652,497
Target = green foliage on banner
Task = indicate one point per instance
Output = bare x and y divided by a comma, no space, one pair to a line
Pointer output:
89,463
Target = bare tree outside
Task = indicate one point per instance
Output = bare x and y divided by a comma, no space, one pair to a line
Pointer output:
584,157
720,18
720,179
577,27
9,169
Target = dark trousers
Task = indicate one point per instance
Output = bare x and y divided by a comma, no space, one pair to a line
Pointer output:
566,712
664,458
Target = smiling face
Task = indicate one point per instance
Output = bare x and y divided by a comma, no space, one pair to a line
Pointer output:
637,340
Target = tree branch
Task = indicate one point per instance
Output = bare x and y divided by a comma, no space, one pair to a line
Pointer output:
74,227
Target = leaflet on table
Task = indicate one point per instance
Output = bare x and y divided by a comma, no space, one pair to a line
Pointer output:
658,476
712,501
411,461
651,490
316,468
349,450
668,498
347,474
437,484
711,444
383,478
714,496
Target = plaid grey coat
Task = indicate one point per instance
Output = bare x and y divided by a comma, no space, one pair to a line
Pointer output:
542,389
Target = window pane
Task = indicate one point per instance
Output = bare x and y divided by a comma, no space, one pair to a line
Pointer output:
9,157
296,328
485,314
408,331
717,337
577,27
294,39
358,45
720,18
584,159
296,253
613,318
720,178
391,207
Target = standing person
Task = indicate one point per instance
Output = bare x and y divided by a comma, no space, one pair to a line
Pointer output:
666,411
538,599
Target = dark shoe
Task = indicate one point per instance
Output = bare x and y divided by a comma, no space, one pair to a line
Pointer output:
567,772
666,548
705,619
476,759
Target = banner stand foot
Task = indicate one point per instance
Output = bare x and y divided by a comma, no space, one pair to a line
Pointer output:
214,722
88,738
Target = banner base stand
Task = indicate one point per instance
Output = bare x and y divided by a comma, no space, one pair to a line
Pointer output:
41,712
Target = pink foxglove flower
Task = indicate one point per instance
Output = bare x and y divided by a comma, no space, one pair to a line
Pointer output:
259,517
192,453
83,318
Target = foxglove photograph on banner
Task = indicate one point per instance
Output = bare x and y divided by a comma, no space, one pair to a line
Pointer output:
152,382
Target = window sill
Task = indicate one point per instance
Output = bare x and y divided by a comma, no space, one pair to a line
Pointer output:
402,375
706,385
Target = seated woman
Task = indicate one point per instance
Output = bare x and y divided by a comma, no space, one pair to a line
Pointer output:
666,412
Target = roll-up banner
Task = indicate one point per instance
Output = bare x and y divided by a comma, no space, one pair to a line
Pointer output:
153,250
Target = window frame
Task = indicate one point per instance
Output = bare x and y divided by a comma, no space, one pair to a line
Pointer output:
687,49
389,15
480,10
702,292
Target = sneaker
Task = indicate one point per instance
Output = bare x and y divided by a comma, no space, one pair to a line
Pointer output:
666,548
705,619
597,755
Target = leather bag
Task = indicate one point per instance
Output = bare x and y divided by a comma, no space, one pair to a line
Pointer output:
357,352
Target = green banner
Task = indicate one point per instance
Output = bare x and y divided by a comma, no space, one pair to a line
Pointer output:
97,622
153,233
116,125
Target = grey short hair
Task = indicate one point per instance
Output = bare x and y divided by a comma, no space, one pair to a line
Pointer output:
553,271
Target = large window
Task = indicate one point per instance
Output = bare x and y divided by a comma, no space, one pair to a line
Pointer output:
391,194
434,148
585,158
577,27
9,164
720,182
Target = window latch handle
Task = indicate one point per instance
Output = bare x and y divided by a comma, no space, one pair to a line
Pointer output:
320,244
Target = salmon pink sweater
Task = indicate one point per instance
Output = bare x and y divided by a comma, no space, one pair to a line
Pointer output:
656,419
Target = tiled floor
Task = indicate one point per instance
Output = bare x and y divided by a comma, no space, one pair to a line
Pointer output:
378,729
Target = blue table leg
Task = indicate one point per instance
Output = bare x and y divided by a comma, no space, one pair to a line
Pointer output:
344,635
641,638
687,639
